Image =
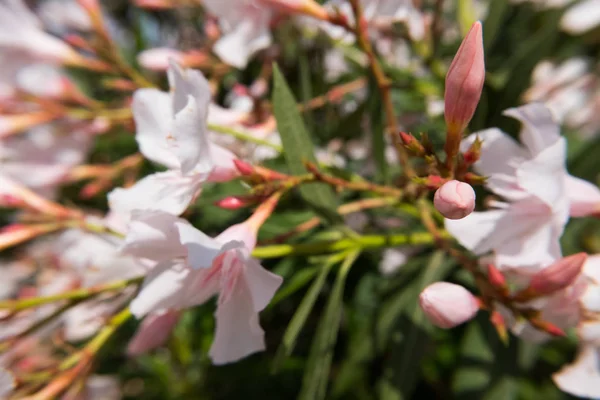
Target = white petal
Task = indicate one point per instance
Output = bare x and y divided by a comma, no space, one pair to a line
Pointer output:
7,383
238,333
543,176
539,128
201,249
583,195
189,140
475,230
582,378
153,235
261,283
581,17
589,332
154,122
163,289
239,44
165,191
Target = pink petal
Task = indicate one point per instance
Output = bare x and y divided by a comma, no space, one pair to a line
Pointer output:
238,333
153,332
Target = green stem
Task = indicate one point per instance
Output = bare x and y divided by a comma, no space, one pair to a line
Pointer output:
79,294
363,242
244,136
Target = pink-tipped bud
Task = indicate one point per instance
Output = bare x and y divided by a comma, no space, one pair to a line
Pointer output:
455,199
17,123
447,305
464,83
412,144
558,276
231,203
243,167
495,277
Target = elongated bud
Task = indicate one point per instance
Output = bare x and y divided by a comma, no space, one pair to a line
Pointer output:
306,7
17,123
455,199
557,276
498,280
498,321
464,83
447,305
12,235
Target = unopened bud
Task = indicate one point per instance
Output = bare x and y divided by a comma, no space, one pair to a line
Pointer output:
455,199
464,83
412,144
243,167
557,276
500,325
496,278
17,123
231,203
447,305
307,7
158,59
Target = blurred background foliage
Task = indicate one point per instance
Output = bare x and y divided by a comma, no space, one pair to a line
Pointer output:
384,348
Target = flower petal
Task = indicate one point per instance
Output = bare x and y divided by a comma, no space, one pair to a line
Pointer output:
583,195
153,332
165,191
262,284
582,378
153,235
238,333
189,140
162,289
201,249
539,128
154,121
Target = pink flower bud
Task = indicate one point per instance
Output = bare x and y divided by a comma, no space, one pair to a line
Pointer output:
231,203
158,59
447,305
558,275
455,200
464,83
307,7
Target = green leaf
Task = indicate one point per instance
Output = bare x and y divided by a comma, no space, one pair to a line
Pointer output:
377,139
298,147
488,368
316,376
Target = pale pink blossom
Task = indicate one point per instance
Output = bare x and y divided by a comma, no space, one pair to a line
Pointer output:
193,267
582,377
454,199
42,158
525,228
7,383
447,305
581,17
60,16
171,130
20,29
571,90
